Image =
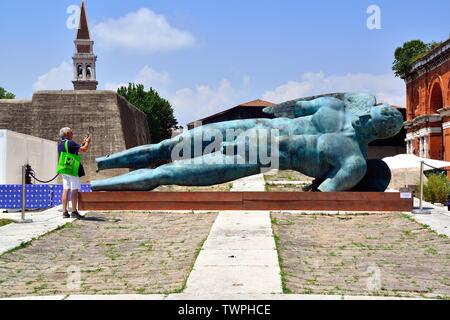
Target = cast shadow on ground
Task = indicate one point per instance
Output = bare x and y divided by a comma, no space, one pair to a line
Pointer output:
99,219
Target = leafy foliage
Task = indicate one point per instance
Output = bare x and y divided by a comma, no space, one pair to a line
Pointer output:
160,117
5,94
409,53
437,189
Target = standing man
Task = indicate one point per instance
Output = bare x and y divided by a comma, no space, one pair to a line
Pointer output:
71,183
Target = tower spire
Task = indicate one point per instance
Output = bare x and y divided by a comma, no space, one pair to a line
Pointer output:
83,27
84,59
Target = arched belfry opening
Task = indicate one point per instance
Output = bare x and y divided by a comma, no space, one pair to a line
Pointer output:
88,72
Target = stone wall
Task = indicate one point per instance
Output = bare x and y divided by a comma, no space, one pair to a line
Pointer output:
15,115
118,125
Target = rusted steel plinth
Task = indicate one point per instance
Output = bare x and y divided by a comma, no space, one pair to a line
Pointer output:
223,201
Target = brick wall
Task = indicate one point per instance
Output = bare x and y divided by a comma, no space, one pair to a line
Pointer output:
419,91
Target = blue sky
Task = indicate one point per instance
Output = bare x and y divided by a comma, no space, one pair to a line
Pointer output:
205,56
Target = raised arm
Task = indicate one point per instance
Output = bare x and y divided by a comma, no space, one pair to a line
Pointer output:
85,145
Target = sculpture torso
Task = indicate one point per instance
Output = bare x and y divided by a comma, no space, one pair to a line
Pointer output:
312,139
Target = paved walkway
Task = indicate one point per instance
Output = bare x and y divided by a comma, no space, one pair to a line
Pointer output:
228,297
238,260
438,219
239,253
15,234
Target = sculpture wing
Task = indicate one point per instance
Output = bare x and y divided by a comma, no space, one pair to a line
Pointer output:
356,103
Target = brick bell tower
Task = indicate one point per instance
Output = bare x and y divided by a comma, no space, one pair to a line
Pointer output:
84,59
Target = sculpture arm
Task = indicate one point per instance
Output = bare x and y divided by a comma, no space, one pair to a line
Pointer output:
346,176
348,164
307,108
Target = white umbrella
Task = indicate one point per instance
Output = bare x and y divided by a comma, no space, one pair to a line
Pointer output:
408,161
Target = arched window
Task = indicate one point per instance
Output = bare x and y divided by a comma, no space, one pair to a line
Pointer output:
436,99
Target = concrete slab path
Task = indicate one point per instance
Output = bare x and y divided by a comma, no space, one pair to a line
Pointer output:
239,256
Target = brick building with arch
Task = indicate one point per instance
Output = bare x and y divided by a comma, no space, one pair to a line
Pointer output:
428,105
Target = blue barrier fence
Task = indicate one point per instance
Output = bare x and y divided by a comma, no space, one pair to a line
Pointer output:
38,196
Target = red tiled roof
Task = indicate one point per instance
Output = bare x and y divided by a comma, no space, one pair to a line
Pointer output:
255,103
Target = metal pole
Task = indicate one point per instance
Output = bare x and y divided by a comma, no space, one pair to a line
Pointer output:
421,210
421,187
24,189
24,201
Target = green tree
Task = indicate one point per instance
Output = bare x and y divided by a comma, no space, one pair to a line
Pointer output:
406,55
160,117
5,94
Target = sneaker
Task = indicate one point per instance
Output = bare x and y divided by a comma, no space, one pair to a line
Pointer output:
76,215
66,215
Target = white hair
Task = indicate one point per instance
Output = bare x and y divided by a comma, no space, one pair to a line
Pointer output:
64,131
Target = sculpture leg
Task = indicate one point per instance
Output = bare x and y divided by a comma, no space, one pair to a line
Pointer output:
200,138
144,156
191,172
136,158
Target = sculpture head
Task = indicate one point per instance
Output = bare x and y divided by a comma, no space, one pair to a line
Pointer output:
383,122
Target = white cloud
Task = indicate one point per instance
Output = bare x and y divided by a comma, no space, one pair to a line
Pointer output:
147,76
113,86
142,31
193,104
385,87
57,78
189,103
151,78
246,80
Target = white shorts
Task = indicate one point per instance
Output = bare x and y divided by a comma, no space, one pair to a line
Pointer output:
71,183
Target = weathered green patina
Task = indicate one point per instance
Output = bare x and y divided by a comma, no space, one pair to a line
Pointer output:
325,137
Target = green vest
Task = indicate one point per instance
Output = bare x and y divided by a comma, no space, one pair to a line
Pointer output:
69,163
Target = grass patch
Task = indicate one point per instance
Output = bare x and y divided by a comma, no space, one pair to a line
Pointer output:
362,245
23,245
94,270
431,251
112,253
424,226
4,222
407,233
283,274
146,245
140,290
332,254
40,288
191,267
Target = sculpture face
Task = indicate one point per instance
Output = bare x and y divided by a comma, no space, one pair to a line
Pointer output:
383,122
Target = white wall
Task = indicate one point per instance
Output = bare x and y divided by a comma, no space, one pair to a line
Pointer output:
18,149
